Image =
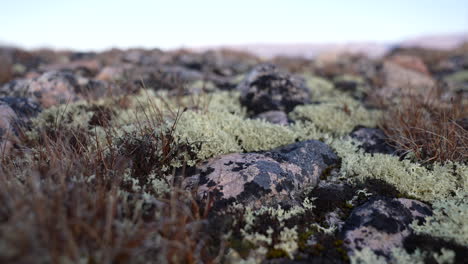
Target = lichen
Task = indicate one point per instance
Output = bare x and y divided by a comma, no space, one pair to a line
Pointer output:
449,219
337,116
412,179
222,133
400,256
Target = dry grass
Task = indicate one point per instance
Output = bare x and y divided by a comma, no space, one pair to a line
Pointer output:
428,127
64,200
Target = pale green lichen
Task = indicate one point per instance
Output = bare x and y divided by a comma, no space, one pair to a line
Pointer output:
223,132
286,237
449,219
337,116
408,177
320,88
400,256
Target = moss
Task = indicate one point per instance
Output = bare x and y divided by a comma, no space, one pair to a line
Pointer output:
302,239
242,247
276,253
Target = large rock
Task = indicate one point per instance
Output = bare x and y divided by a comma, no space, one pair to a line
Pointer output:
51,88
265,177
382,224
267,88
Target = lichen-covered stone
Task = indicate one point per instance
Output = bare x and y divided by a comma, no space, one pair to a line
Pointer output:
267,88
264,177
373,140
382,224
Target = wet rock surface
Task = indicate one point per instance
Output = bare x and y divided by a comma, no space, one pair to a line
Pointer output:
267,88
382,224
260,178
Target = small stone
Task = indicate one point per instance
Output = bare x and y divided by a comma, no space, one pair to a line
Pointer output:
274,117
373,140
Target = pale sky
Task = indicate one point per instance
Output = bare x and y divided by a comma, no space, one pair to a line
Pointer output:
97,25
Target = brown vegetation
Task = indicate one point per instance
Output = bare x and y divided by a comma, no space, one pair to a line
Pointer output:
429,127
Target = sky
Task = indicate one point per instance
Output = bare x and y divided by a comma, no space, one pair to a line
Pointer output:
98,25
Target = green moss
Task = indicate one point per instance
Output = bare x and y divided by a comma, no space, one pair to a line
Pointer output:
276,253
303,237
242,247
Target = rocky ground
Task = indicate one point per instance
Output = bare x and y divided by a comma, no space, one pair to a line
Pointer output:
145,156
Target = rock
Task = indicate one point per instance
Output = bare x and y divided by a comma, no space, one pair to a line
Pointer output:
382,224
266,177
267,88
373,140
399,80
7,128
51,88
24,108
409,62
463,122
85,68
274,117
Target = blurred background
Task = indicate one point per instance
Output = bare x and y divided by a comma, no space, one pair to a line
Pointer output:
267,28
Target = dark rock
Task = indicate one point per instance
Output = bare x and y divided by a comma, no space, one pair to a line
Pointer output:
274,117
266,177
267,88
382,224
373,140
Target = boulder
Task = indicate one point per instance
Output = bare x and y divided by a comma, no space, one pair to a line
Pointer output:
266,88
263,178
